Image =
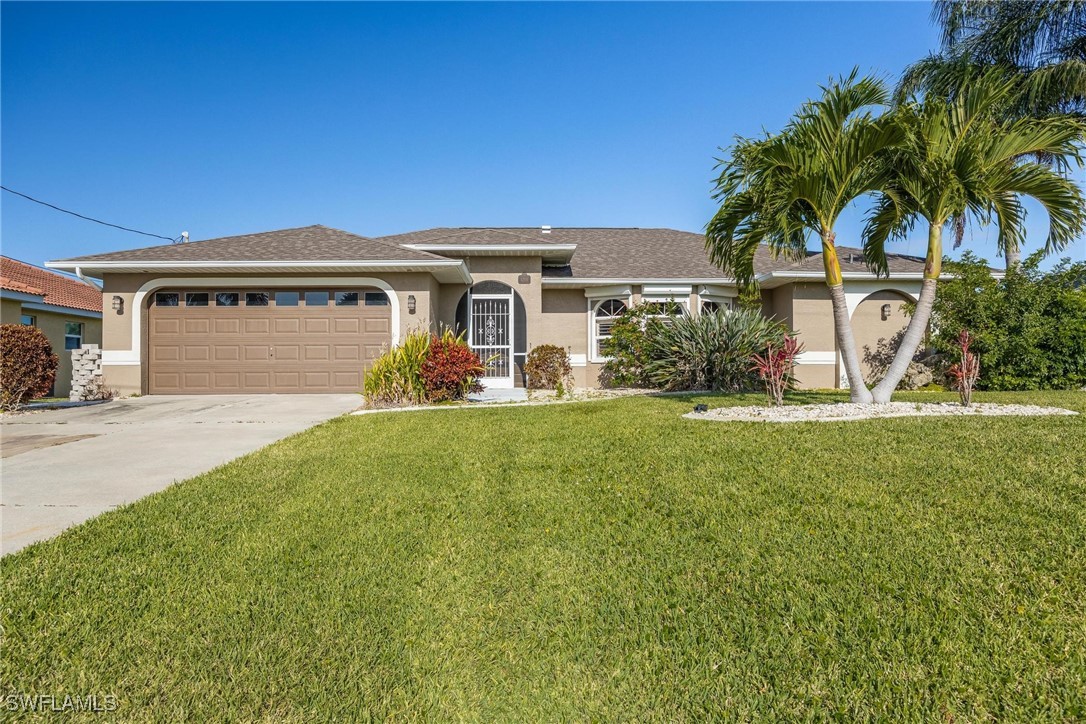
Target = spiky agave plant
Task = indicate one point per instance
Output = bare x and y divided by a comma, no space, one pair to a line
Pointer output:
709,351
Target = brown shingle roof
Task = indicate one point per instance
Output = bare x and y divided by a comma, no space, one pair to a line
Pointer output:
474,236
632,253
308,243
55,288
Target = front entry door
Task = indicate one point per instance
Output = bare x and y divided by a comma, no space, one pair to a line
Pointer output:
491,337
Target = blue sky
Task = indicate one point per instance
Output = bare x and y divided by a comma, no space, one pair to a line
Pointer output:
222,119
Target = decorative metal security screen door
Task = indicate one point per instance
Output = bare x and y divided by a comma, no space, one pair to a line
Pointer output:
491,337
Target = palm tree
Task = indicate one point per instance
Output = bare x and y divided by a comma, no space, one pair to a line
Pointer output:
1042,45
963,158
780,189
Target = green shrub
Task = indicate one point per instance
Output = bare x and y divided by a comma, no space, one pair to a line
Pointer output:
28,366
396,376
627,347
1028,328
710,351
547,368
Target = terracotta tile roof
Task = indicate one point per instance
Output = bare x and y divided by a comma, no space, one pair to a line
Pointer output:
632,253
56,289
308,243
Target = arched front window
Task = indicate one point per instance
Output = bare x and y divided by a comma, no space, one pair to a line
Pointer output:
603,320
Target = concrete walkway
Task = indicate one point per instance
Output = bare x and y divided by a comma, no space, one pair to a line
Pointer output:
62,467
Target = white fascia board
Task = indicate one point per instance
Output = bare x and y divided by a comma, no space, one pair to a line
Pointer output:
612,290
455,265
717,291
58,309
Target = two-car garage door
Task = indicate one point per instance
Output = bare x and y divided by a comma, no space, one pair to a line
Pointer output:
221,341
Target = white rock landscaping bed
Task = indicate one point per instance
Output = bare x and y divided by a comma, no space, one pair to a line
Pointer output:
847,411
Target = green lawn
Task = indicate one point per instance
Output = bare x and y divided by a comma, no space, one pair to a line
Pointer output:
603,560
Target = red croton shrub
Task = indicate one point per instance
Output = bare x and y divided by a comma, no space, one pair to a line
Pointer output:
27,365
451,370
966,371
777,367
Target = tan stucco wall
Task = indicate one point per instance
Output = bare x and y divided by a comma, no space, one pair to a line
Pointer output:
869,327
10,311
564,322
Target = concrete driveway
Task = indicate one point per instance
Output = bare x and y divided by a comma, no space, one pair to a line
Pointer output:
61,467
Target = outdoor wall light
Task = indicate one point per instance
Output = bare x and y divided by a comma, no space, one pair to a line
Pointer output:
885,312
410,303
118,304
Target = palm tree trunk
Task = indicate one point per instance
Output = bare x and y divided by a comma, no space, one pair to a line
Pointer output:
918,325
1013,254
842,325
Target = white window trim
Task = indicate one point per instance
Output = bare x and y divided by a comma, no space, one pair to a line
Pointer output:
593,337
82,333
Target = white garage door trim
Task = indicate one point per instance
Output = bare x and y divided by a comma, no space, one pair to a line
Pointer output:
133,356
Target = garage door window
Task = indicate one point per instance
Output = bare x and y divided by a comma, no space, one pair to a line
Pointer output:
346,299
167,299
226,299
316,299
256,299
376,299
196,299
286,299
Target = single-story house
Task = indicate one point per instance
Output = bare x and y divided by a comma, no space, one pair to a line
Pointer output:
68,310
305,310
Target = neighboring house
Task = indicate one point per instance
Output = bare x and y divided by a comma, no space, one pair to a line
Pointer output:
69,311
305,310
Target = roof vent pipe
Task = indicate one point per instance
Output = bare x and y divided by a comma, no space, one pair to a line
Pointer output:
545,229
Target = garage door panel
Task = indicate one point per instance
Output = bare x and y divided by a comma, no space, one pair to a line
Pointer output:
287,352
196,325
166,381
315,352
347,325
165,326
196,380
165,353
347,379
227,352
260,326
288,325
227,326
378,326
196,352
288,380
251,349
320,325
257,353
346,352
258,381
316,380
